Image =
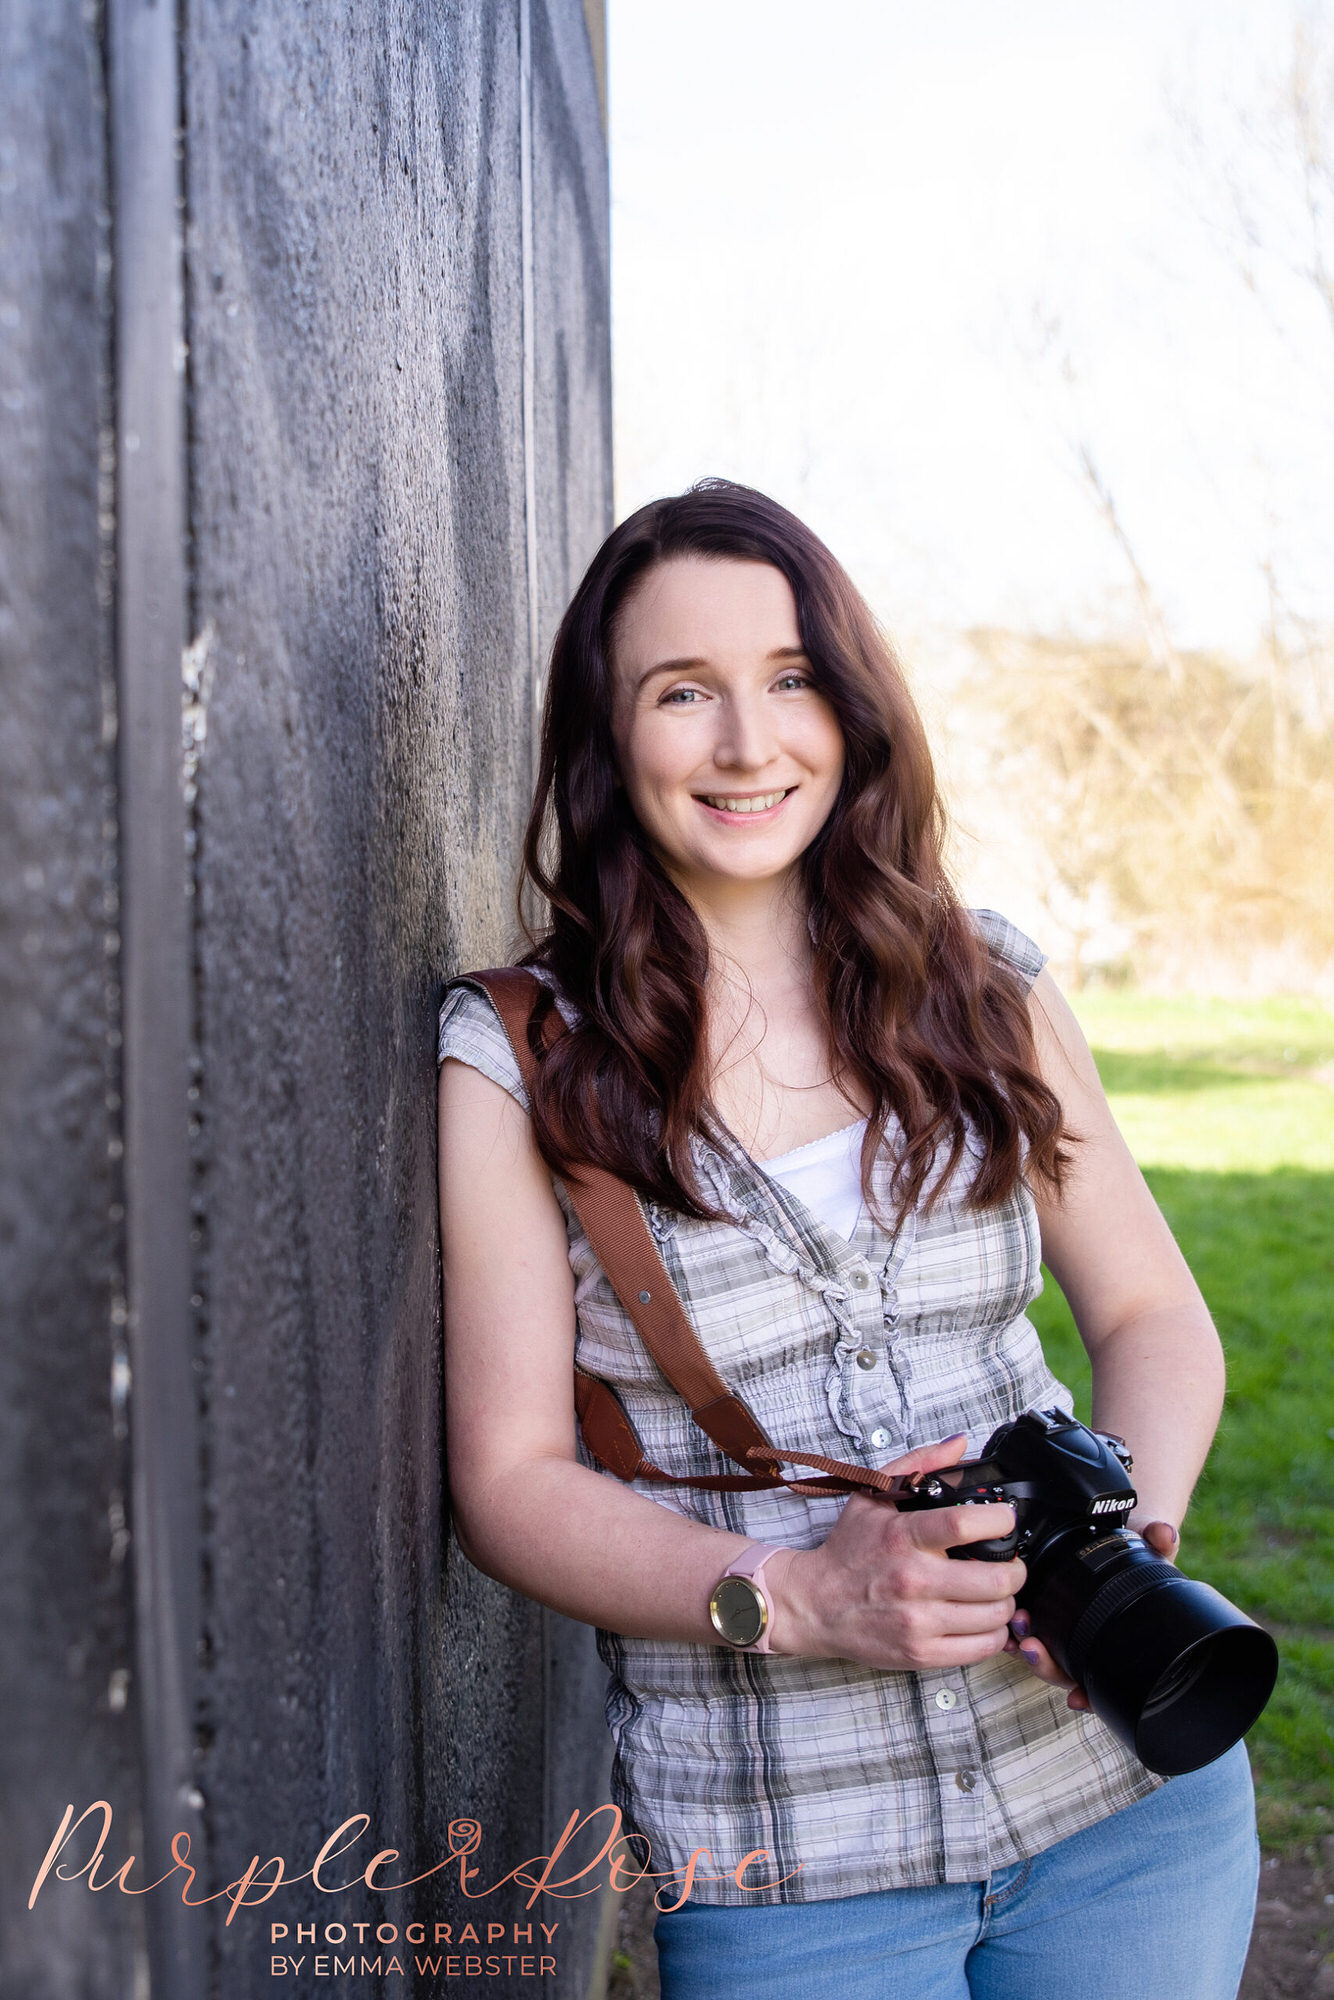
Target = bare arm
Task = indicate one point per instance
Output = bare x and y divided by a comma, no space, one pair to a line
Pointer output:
1156,1359
525,1510
1157,1362
879,1589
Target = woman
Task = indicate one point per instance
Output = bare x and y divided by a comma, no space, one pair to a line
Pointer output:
848,1107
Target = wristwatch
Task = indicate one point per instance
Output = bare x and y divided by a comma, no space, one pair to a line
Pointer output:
738,1609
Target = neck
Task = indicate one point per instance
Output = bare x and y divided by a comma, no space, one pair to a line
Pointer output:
757,931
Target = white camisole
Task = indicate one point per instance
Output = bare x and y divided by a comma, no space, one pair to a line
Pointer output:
826,1175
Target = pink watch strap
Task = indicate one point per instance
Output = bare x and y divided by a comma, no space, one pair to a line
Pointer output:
750,1563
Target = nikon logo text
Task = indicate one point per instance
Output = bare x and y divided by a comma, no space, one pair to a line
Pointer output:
1111,1506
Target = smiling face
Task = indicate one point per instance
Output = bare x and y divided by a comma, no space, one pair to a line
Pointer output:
730,756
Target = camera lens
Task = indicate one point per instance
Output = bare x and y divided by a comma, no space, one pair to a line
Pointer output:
1171,1667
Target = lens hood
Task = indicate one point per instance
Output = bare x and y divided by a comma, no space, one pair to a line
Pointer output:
1171,1667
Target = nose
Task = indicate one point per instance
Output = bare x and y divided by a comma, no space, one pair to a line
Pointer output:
745,736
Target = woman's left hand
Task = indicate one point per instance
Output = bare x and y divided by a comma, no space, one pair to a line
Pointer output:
1163,1539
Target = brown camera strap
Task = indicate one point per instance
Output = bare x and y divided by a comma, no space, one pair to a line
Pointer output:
615,1224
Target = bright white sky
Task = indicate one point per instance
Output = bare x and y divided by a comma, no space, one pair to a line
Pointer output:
837,230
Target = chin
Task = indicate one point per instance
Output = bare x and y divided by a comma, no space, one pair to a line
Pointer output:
754,868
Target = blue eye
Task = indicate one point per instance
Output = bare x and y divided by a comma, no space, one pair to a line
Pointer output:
682,696
797,679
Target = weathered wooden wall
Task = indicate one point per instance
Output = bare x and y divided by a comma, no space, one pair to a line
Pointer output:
307,439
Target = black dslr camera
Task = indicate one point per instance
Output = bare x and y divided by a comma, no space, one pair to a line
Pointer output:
1177,1672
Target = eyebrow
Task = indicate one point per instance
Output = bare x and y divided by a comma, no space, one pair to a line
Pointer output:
683,666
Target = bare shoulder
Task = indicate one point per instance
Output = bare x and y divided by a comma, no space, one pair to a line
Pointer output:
477,1115
1103,1236
1065,1061
491,1173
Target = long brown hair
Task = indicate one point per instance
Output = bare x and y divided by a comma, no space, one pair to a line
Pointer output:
917,1011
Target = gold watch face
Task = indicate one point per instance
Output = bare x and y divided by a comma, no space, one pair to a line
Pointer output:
738,1611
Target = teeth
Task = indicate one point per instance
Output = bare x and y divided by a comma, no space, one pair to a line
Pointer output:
760,804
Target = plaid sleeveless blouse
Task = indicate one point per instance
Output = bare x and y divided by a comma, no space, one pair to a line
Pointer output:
849,1777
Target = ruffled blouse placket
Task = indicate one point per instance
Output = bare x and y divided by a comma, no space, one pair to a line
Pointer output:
868,1383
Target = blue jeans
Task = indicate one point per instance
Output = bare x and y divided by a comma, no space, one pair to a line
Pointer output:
1155,1902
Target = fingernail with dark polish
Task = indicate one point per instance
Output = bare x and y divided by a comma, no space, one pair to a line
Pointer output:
1030,1655
1020,1625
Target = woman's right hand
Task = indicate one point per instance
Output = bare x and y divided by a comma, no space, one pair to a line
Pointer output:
881,1590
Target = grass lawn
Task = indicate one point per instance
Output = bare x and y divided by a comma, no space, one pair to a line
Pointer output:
1229,1109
